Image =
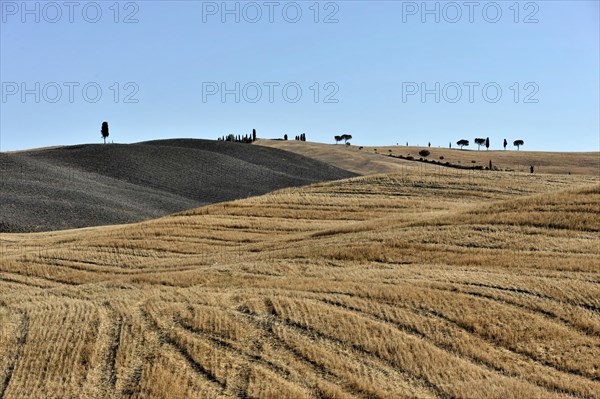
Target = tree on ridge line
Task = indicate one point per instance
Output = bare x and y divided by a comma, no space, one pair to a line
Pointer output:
518,144
479,142
462,143
104,131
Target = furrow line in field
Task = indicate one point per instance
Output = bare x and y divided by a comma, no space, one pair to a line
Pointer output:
478,362
169,341
23,331
537,310
319,370
311,332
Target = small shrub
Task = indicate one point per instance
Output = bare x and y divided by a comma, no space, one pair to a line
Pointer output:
424,153
473,161
441,157
410,158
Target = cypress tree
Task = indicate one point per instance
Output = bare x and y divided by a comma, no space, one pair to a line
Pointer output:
104,131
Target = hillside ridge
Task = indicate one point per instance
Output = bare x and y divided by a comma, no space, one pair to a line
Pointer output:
95,184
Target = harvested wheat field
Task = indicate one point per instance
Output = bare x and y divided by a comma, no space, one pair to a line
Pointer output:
431,283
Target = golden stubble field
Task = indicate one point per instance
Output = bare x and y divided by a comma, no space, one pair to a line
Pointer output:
428,283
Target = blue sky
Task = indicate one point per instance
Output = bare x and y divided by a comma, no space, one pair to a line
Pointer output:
361,67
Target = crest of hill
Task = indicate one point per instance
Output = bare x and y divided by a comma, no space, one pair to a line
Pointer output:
90,185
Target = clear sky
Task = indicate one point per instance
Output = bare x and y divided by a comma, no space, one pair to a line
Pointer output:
385,72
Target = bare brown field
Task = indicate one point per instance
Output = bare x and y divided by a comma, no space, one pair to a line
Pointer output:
426,283
372,160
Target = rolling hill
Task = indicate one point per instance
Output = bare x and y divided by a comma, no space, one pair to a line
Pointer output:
371,160
462,284
89,185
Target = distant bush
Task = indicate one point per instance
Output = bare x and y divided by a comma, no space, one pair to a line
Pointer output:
441,157
409,157
473,161
424,153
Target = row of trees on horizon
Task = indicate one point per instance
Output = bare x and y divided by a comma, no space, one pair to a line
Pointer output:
249,138
300,137
246,138
485,142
